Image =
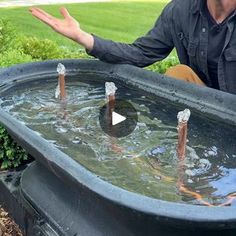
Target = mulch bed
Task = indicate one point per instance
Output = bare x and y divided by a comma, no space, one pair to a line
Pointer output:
7,226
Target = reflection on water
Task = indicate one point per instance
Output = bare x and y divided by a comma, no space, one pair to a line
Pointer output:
145,161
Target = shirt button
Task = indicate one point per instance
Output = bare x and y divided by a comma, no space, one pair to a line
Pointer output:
203,30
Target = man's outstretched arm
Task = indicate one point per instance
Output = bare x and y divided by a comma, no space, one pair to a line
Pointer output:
154,46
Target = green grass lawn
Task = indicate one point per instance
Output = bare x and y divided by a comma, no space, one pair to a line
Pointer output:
120,21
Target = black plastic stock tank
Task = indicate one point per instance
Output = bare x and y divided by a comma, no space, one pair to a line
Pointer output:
74,201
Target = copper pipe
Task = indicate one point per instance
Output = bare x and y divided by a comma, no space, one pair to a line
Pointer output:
61,83
110,90
183,118
182,128
111,101
60,90
182,139
109,109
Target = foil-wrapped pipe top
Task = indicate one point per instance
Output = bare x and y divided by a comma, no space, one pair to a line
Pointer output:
110,89
183,116
61,70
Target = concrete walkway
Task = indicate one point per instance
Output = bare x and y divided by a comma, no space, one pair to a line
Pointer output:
15,3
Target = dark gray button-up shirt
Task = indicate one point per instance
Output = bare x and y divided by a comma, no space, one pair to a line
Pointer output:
182,25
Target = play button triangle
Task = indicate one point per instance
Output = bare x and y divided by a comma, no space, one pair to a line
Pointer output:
117,118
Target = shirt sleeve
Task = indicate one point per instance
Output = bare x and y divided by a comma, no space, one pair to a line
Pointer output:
144,51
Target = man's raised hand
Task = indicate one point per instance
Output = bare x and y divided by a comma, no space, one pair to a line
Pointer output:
68,26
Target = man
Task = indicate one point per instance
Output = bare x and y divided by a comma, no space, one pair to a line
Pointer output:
202,31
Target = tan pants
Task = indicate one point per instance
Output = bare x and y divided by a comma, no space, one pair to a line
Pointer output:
185,73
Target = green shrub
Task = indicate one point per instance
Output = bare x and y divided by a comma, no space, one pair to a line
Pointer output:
7,35
45,49
40,49
162,66
11,155
12,57
68,53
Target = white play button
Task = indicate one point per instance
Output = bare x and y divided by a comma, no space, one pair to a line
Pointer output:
118,121
117,118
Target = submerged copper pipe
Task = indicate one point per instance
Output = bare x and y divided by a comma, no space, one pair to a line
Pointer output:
116,148
182,188
199,197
